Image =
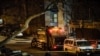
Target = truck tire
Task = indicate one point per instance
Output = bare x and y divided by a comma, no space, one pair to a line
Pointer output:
33,44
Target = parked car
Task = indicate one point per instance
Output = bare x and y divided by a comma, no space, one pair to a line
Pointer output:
98,46
73,45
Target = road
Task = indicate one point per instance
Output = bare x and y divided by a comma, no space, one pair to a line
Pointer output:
24,45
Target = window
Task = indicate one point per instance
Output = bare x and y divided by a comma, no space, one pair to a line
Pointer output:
68,41
83,43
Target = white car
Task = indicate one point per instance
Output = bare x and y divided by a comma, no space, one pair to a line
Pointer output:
98,45
74,45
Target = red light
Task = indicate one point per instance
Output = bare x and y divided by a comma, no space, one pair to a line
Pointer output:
53,30
94,45
57,31
61,30
54,46
50,30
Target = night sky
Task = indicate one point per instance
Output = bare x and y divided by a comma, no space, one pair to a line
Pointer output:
95,7
86,9
92,4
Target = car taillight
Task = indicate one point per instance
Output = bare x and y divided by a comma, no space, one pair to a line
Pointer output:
54,47
94,45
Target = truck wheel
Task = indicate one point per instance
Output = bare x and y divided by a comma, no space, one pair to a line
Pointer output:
33,44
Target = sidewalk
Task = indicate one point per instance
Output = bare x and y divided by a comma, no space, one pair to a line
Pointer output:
16,40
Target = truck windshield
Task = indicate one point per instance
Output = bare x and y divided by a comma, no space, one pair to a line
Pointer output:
83,43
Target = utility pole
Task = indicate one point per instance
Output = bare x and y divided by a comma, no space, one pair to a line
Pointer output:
61,22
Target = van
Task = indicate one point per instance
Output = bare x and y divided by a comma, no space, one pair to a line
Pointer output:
74,45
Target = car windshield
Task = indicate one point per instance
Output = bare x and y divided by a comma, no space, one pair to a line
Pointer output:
83,43
68,41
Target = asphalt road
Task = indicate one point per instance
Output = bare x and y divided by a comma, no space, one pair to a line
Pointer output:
24,45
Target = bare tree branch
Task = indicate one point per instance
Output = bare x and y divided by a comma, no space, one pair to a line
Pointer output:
26,25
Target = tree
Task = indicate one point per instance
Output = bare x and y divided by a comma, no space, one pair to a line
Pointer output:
25,26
